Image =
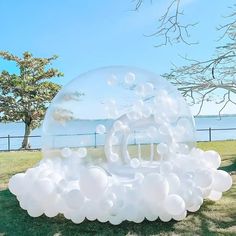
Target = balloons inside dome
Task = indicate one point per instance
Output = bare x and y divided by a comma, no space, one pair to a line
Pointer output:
118,144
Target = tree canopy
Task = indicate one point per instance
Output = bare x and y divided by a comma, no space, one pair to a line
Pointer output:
26,96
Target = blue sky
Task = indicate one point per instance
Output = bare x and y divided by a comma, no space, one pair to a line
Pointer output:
91,34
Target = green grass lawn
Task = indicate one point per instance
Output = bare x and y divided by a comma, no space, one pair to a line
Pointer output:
214,218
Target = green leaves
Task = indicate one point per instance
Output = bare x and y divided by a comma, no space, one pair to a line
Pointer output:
26,96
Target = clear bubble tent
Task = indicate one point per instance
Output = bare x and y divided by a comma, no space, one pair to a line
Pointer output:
145,166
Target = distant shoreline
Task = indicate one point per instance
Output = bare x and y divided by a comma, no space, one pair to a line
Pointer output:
199,116
212,116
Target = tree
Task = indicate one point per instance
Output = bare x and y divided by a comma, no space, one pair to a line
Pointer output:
25,96
212,79
199,81
170,28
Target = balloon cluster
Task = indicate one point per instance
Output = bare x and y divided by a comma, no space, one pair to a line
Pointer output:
177,185
79,182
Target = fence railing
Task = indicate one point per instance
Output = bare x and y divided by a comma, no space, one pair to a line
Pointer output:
13,142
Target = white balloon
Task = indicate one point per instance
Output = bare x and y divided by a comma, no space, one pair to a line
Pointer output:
100,129
16,183
174,204
106,205
42,189
164,216
174,182
118,125
155,188
93,182
151,217
78,219
129,78
51,211
214,195
66,152
194,208
206,192
212,158
74,199
162,148
181,216
115,220
148,88
134,163
203,178
114,157
222,181
165,167
112,80
35,211
82,152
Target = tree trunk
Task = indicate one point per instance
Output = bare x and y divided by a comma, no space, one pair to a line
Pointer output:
25,143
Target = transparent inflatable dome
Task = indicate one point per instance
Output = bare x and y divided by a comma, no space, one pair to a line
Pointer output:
118,144
124,113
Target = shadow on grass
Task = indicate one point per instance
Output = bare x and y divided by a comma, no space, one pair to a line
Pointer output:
232,166
16,222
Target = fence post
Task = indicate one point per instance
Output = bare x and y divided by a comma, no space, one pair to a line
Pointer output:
135,141
210,134
8,143
95,140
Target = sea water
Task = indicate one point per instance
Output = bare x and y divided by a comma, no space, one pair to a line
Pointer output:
84,132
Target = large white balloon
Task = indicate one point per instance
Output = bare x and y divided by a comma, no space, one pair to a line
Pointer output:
155,188
93,182
174,204
212,158
222,181
16,184
74,199
203,178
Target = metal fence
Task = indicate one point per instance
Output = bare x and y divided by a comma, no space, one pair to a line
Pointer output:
13,142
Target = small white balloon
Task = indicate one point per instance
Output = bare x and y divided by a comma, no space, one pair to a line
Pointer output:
100,129
166,167
148,88
118,125
115,220
181,216
66,152
51,211
134,163
78,219
194,208
129,78
214,195
162,148
74,199
114,157
35,211
82,152
112,80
